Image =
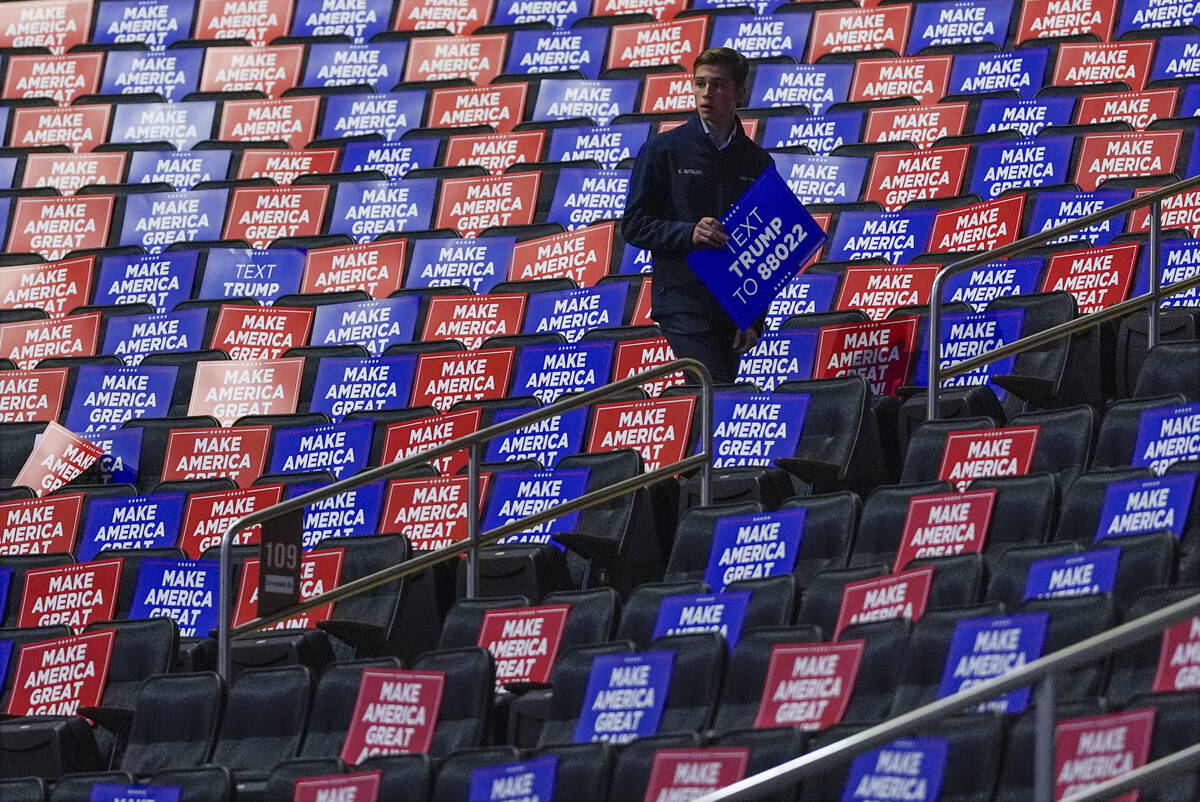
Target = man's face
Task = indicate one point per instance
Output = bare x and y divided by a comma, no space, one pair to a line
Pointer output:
717,95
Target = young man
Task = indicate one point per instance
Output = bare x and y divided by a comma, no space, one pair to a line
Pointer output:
684,180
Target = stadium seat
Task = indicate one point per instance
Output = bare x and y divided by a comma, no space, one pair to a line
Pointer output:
333,707
466,699
742,690
454,776
264,720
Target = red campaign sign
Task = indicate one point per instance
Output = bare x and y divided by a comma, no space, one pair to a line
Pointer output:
690,773
260,332
239,453
80,128
501,106
229,390
55,677
659,9
1139,109
856,30
70,595
54,24
638,356
808,685
40,526
375,267
292,119
59,457
1043,19
209,515
471,319
641,310
1145,153
880,290
1097,277
902,176
942,525
55,226
749,126
406,438
1179,658
1181,210
68,172
320,572
668,92
649,44
823,220
581,255
1088,751
469,205
261,215
56,287
430,511
987,454
524,641
444,379
1080,64
285,166
880,351
29,342
978,227
899,595
436,58
31,395
395,713
457,16
494,152
257,22
656,429
60,78
921,125
361,786
922,77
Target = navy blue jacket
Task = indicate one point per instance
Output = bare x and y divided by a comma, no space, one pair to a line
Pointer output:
681,176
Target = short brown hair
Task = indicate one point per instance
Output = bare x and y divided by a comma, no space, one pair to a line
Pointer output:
730,59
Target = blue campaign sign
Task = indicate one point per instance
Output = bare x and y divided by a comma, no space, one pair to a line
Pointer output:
181,124
1138,506
378,64
105,397
625,696
8,169
723,613
519,494
1032,162
806,294
1053,208
1025,116
755,429
130,522
478,264
372,324
1021,71
822,179
759,6
105,792
1189,104
817,86
1156,14
896,237
184,590
910,769
585,195
161,280
634,260
1193,158
133,337
606,144
367,209
5,582
388,114
754,546
155,220
340,448
560,50
573,312
548,371
515,782
263,275
559,13
181,169
762,36
820,133
982,285
778,357
1167,435
547,441
393,159
968,335
959,22
1084,574
122,455
1176,56
155,23
1178,260
600,101
353,513
770,237
349,384
6,650
170,73
358,19
982,648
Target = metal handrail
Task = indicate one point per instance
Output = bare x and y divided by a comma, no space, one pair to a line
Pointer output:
472,441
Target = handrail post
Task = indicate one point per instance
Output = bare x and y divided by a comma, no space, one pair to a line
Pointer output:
1155,247
224,607
706,427
934,341
473,520
1043,749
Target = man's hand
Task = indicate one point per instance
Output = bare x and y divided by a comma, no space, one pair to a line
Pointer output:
743,341
708,233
